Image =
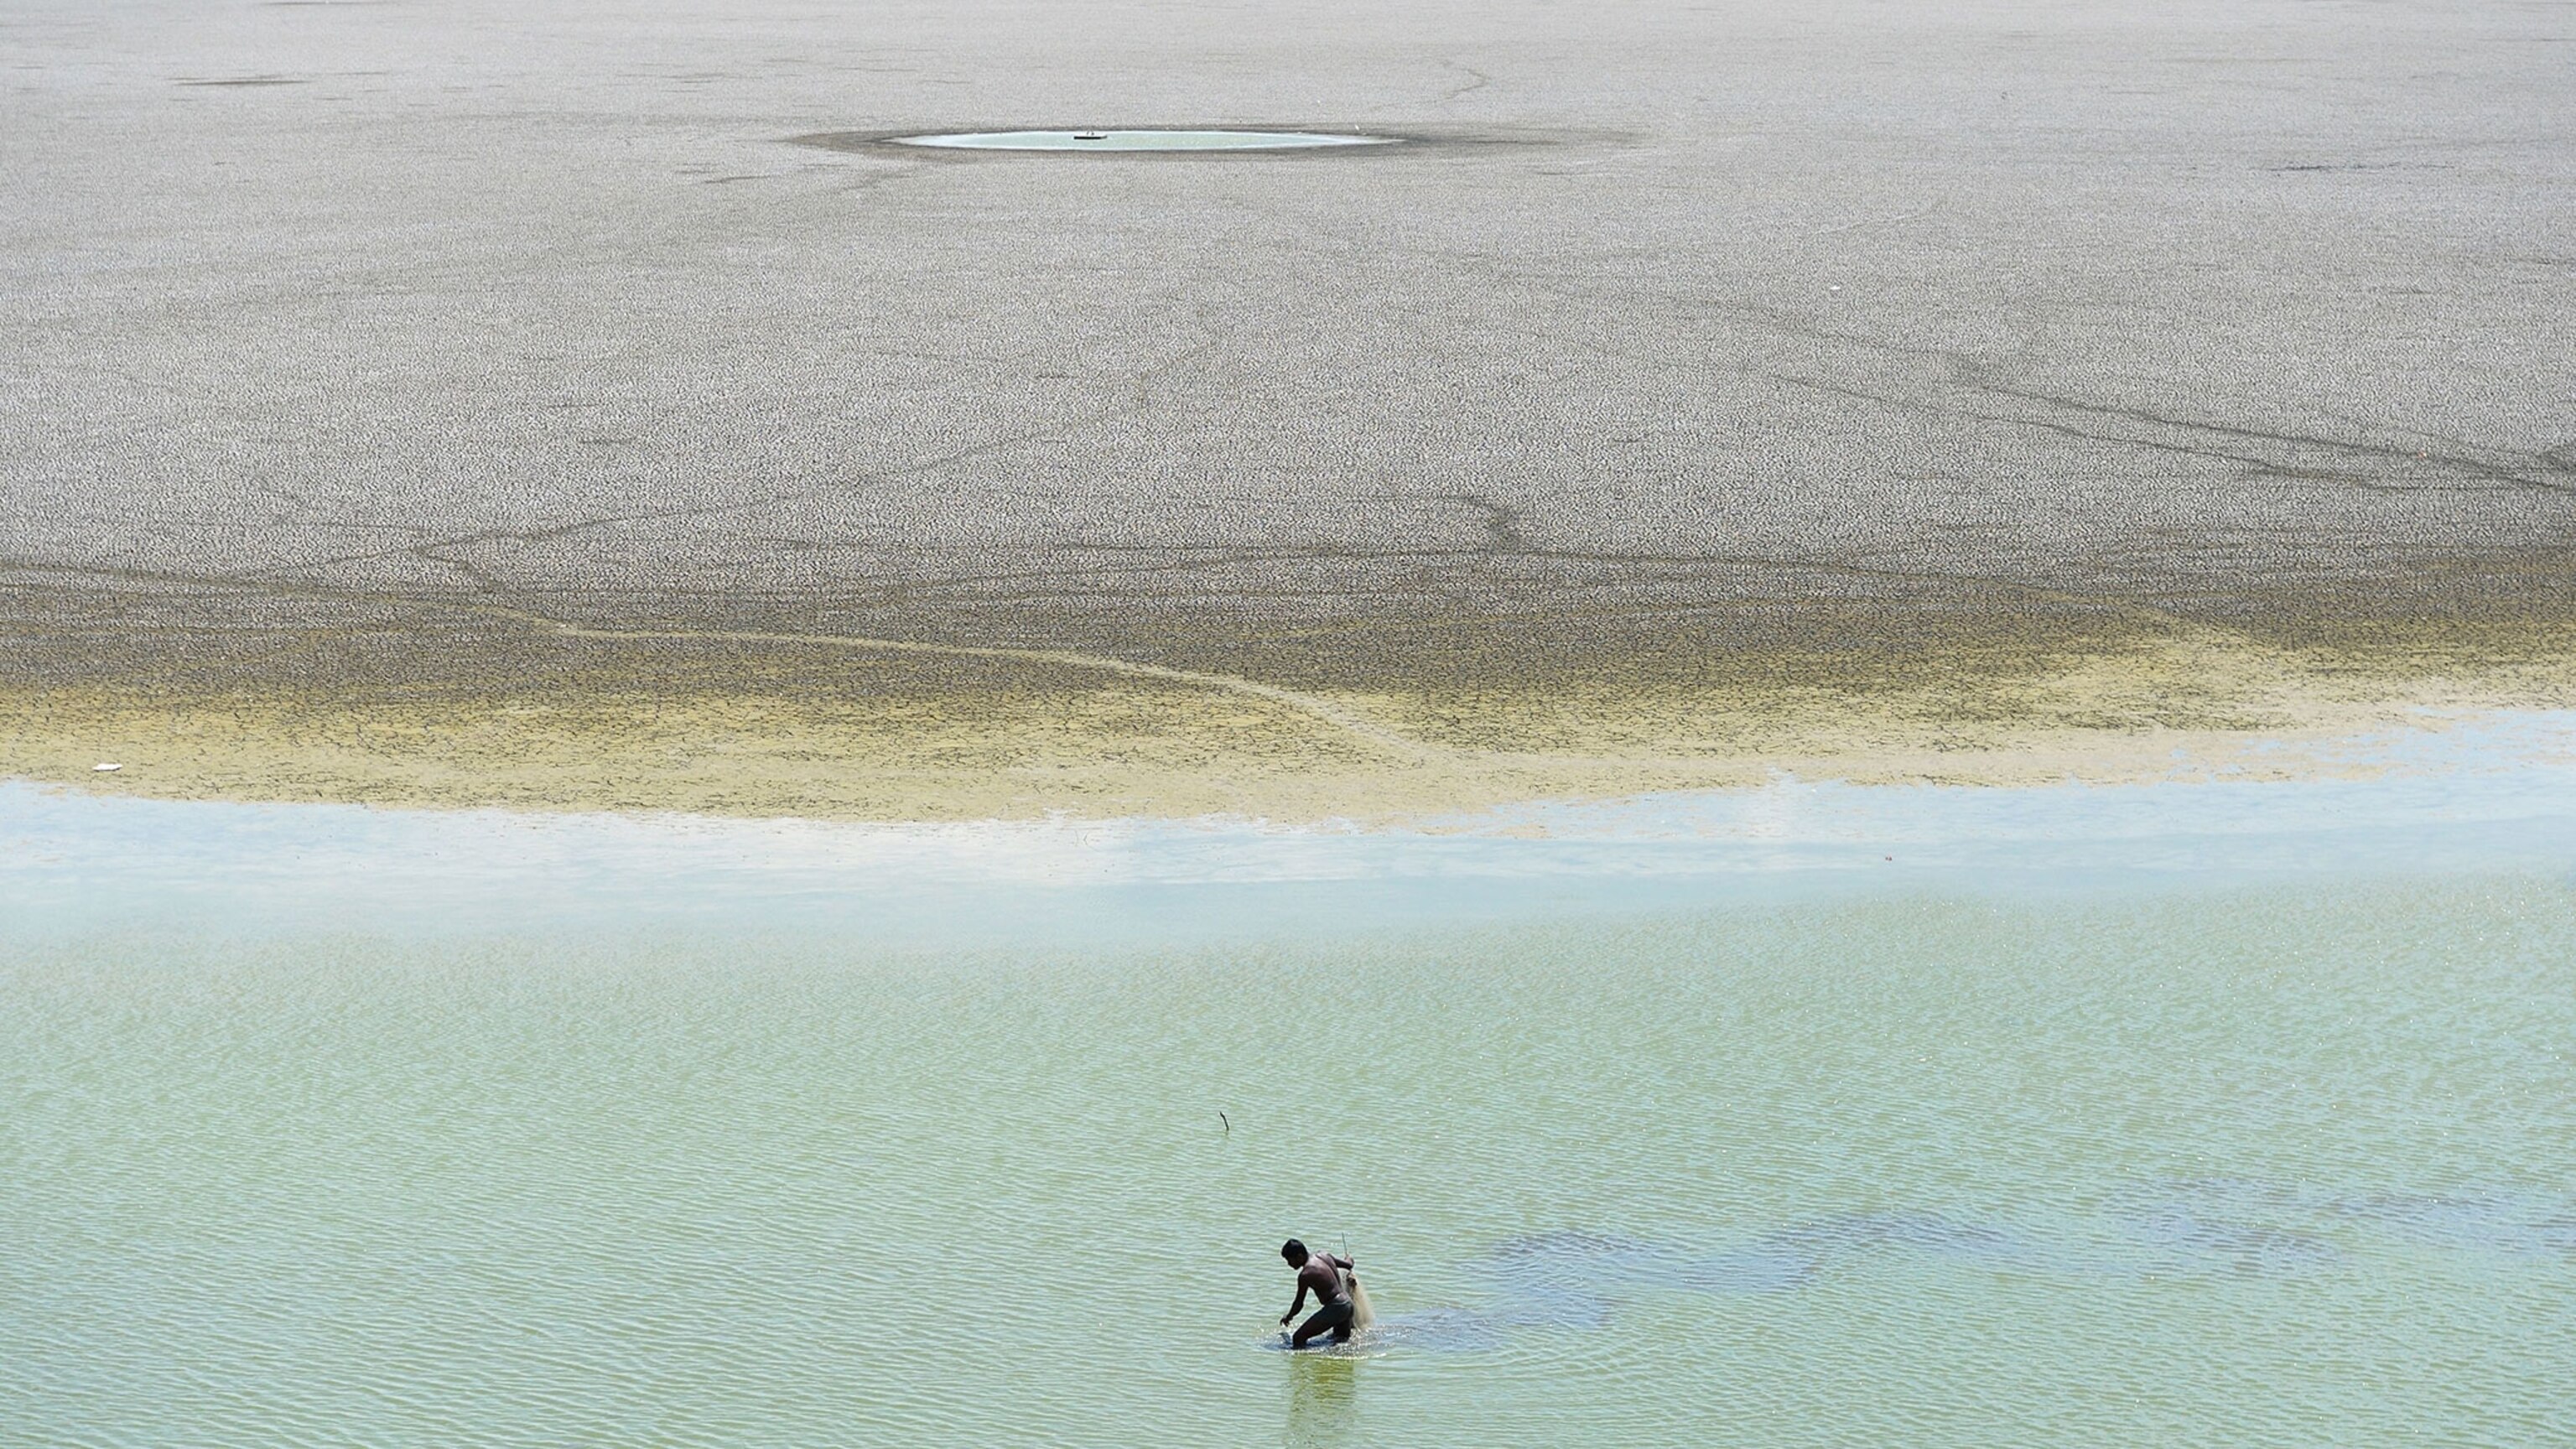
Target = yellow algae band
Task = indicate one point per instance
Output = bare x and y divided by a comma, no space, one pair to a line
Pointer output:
283,693
754,724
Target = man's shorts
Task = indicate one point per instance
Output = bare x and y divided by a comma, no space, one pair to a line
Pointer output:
1332,1318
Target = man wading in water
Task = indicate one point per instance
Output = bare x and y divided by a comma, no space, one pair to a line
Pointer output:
1320,1274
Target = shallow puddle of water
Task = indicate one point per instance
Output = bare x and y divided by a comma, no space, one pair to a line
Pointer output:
1148,140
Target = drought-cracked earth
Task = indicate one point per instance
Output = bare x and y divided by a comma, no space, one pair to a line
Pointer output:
1685,385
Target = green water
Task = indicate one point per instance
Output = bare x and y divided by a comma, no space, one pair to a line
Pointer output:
2274,1167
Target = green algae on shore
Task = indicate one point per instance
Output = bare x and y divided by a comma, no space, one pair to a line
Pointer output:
510,712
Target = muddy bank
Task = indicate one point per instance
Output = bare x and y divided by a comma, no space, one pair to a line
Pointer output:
252,695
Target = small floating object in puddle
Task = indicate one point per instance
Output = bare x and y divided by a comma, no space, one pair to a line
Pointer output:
105,769
1115,140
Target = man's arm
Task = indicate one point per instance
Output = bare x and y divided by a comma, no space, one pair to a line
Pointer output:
1298,1302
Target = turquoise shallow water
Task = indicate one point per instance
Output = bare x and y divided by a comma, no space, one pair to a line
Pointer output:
2234,1153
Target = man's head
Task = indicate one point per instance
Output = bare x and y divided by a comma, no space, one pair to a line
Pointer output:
1294,1252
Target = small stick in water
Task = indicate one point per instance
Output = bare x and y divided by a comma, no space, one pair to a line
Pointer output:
1229,1127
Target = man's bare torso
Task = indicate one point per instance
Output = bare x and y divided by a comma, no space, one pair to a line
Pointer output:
1323,1278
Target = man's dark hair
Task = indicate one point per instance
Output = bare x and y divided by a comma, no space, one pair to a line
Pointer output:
1293,1251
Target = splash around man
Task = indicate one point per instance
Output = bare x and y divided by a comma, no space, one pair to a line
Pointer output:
1325,1276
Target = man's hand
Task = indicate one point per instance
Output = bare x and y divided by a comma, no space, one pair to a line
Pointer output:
1284,1317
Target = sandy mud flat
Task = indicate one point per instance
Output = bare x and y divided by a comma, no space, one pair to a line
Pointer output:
574,406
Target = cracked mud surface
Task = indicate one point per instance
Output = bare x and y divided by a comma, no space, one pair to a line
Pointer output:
399,408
